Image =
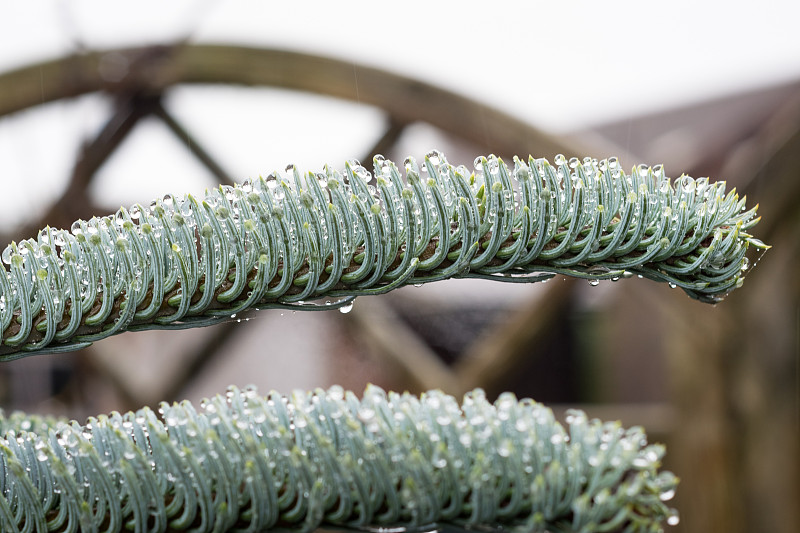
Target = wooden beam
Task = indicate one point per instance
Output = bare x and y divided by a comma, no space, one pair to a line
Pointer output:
409,359
493,356
154,69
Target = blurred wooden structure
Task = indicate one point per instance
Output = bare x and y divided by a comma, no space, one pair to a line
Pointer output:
734,369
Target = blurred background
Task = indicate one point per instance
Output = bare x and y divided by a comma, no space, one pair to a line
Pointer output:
103,105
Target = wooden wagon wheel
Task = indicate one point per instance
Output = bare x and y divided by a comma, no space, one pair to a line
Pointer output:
137,80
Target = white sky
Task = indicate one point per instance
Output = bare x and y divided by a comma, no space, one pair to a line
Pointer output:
562,66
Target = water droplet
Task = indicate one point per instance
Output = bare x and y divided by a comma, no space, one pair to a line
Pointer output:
673,519
346,308
745,264
435,157
594,282
410,164
362,173
505,449
560,160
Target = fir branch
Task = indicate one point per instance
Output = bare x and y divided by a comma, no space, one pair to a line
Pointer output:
245,462
290,239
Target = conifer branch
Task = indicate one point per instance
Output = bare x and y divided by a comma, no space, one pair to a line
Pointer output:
244,462
293,239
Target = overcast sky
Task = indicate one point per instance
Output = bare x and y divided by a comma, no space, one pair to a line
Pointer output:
562,65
